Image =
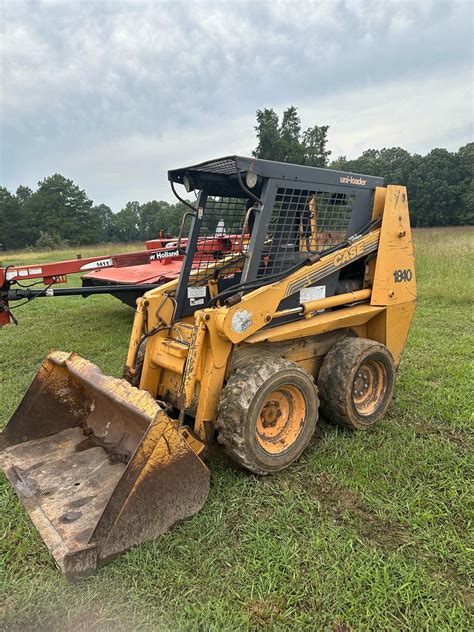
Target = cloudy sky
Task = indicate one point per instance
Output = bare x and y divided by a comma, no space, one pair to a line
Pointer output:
114,93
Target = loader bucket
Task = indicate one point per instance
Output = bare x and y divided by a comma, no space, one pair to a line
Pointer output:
97,464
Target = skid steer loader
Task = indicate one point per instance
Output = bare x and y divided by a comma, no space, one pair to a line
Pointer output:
310,313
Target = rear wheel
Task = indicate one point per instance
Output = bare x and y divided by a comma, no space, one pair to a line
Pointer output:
356,383
267,414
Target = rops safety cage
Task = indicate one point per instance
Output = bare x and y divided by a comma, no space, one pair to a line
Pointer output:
273,216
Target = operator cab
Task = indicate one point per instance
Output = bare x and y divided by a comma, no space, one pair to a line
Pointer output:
274,215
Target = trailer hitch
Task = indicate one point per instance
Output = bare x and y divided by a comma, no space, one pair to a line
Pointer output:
48,292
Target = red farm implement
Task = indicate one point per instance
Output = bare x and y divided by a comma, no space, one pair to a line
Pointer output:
125,276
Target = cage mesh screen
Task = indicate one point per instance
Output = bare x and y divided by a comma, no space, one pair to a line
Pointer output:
225,166
219,237
303,221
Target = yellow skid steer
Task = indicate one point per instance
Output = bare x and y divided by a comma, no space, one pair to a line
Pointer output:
310,314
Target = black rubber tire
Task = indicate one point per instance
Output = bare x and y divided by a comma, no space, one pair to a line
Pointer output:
241,400
336,379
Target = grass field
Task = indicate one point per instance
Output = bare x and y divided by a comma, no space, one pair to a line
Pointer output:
368,531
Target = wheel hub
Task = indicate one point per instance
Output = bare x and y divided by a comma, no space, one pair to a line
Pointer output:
369,386
361,382
280,419
270,413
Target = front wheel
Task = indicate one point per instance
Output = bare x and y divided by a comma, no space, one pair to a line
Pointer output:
267,414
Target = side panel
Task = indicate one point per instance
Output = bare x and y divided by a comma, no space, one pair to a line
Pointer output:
394,283
379,201
394,279
391,328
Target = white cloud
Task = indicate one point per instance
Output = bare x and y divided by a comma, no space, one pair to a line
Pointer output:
135,166
412,113
114,93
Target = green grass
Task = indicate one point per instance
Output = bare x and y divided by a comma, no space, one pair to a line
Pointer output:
368,531
27,256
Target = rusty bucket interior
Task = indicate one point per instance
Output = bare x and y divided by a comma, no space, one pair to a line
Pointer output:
98,464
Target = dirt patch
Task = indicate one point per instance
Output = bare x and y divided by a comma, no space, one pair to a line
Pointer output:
265,512
341,627
264,612
346,507
462,440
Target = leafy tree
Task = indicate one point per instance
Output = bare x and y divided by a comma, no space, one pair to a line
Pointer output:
108,227
339,164
439,184
290,131
286,142
60,207
176,214
268,135
49,242
435,184
466,166
11,221
127,222
155,216
314,143
393,163
23,193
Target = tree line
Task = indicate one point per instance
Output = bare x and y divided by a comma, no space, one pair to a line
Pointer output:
58,212
440,184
